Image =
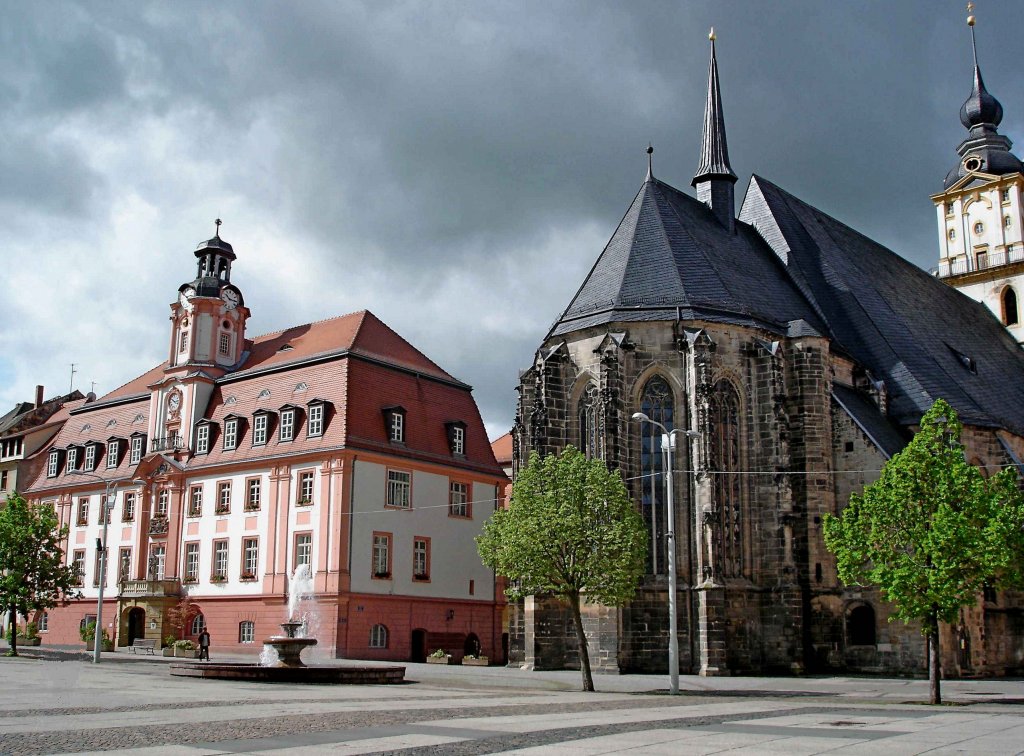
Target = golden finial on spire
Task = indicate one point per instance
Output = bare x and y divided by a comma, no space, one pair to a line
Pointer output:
711,34
970,14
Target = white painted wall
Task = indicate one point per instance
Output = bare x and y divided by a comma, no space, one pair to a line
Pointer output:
454,560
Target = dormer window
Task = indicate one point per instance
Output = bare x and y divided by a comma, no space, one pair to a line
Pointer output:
113,452
90,458
260,427
456,437
53,464
138,439
203,438
394,422
231,433
72,458
287,429
317,418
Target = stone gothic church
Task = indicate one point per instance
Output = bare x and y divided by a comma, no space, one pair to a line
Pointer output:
795,356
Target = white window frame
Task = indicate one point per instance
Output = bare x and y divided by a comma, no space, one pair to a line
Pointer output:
458,499
250,555
160,552
223,505
220,559
198,624
397,430
203,438
72,458
231,434
136,450
89,463
128,506
183,341
192,560
260,423
246,631
113,447
305,487
315,423
253,502
379,636
458,440
195,501
224,344
421,558
162,506
52,464
287,429
399,490
381,556
304,549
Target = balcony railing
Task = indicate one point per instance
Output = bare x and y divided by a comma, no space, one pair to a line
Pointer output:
983,261
158,526
150,588
167,443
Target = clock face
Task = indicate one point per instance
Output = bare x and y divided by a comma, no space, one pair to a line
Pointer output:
174,401
230,297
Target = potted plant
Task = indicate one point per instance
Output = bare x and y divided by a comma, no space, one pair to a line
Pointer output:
440,656
218,579
29,636
185,649
247,577
88,634
169,642
469,660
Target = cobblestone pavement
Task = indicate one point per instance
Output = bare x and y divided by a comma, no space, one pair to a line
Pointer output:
49,706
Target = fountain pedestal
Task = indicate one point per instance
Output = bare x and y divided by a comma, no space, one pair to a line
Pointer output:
288,647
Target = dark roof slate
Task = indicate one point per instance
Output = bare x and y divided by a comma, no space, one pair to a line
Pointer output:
669,251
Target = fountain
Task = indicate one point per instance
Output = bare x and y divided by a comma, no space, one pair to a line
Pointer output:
280,660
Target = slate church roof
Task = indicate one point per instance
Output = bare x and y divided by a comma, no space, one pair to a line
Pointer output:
793,270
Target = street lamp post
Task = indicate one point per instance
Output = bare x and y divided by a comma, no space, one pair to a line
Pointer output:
667,446
107,506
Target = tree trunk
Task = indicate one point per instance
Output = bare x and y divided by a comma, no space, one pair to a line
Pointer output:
12,628
934,665
581,637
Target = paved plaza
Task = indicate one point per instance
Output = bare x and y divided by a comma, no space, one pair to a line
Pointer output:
133,704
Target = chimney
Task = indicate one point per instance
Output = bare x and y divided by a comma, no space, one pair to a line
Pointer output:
39,397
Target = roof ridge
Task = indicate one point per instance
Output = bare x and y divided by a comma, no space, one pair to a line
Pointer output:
391,358
312,323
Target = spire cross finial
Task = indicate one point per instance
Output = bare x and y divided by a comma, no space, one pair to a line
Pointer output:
650,161
217,224
711,35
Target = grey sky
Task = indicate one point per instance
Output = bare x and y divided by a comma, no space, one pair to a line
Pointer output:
454,167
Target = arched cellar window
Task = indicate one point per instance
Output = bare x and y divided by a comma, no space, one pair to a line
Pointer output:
378,636
1011,315
655,402
589,423
198,623
725,408
860,626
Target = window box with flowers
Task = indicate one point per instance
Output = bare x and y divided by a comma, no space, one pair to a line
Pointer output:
222,509
251,508
304,502
218,579
247,577
382,575
190,580
439,657
421,577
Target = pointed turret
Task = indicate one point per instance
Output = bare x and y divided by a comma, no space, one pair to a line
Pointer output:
714,178
984,150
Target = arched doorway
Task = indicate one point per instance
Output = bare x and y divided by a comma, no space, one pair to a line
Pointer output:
471,647
418,651
136,624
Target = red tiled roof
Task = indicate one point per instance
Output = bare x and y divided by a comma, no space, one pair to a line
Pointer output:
502,448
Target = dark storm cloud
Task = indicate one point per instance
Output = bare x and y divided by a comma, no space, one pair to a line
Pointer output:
397,151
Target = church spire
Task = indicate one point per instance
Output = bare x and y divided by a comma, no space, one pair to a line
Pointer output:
984,150
714,178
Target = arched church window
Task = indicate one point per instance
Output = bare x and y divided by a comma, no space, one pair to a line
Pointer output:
589,423
656,402
1011,315
725,409
860,626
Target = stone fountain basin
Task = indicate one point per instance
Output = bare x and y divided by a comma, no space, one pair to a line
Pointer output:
320,675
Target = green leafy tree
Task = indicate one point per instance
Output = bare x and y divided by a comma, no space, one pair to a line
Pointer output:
570,531
33,576
932,532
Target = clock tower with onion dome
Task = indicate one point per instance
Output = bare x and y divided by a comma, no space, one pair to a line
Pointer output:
207,340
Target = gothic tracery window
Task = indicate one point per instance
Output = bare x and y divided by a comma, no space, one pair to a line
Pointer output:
589,423
725,450
655,402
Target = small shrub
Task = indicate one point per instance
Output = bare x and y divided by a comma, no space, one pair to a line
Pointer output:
186,645
439,654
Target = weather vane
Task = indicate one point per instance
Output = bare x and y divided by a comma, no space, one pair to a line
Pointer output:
970,14
217,224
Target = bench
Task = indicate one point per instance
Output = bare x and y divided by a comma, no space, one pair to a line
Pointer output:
149,646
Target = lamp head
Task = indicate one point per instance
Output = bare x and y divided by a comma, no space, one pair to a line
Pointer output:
640,417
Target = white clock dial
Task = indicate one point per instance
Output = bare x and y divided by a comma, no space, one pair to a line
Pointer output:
174,401
230,297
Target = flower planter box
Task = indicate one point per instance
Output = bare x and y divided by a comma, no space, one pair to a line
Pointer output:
29,641
481,662
439,660
169,651
186,653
